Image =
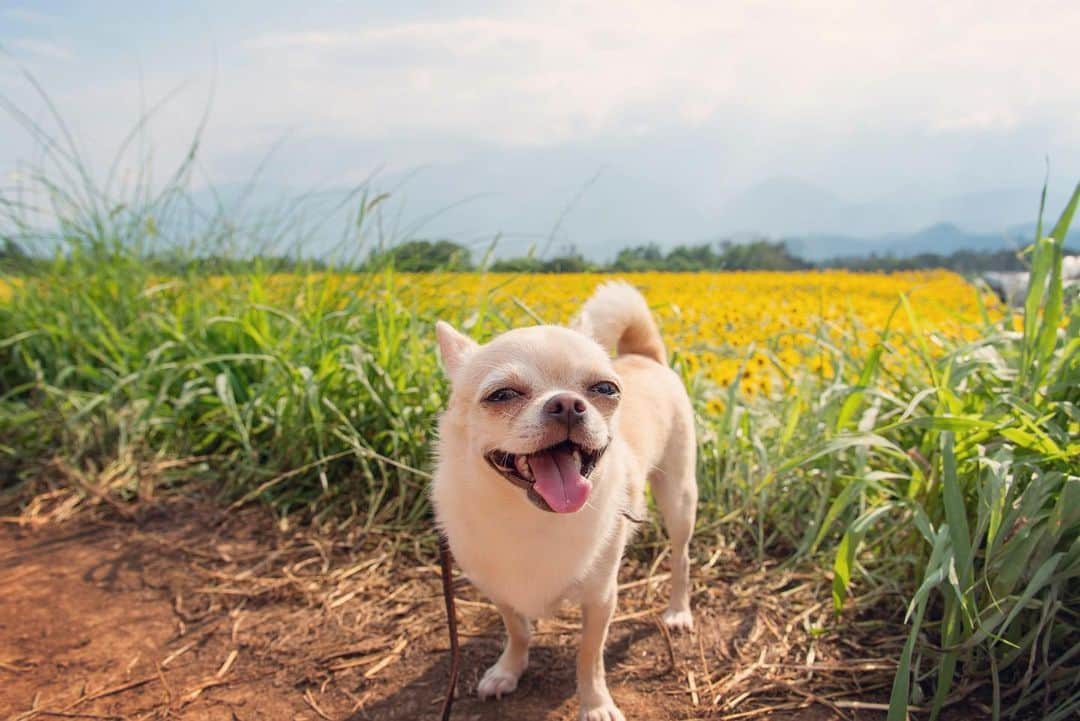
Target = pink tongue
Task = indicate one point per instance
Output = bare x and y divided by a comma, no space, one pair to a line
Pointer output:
559,480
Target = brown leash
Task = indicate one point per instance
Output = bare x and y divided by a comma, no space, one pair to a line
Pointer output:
446,561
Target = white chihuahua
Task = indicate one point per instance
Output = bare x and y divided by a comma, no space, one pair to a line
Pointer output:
543,454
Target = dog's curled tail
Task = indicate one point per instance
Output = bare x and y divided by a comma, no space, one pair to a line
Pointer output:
618,317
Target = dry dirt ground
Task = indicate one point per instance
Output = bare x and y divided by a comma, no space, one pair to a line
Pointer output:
184,611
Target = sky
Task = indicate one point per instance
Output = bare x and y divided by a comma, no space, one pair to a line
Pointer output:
526,113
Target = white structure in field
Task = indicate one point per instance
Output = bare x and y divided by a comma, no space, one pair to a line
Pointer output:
1011,287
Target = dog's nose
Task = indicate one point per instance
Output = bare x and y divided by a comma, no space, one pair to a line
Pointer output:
567,407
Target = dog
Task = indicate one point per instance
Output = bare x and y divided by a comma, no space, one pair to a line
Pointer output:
543,452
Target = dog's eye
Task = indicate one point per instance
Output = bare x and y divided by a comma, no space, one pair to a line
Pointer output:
605,388
502,395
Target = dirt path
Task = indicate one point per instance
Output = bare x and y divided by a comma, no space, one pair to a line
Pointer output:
190,613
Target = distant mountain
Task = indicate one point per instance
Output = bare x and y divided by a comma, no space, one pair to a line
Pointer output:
781,206
946,238
940,238
550,205
547,206
553,199
791,207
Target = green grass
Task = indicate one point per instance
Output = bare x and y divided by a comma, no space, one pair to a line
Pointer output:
952,485
955,484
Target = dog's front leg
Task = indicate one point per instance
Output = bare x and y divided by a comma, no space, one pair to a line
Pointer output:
503,676
596,703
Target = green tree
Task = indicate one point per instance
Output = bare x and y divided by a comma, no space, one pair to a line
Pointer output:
524,264
572,262
639,258
760,255
422,256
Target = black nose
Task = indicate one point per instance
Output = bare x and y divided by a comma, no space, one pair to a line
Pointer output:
567,407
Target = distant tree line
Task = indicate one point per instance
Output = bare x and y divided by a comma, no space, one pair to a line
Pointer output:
725,255
13,258
961,261
421,256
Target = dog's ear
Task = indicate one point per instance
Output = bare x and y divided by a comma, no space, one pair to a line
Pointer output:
454,347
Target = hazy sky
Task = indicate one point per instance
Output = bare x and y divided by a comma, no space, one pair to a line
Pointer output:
862,99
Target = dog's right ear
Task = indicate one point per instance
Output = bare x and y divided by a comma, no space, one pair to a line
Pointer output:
454,348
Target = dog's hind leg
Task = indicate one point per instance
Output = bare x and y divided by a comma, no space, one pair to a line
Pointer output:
674,486
502,678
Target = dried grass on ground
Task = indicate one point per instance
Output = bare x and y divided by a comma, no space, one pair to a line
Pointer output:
179,609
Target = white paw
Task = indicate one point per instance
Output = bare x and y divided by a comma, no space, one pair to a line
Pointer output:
603,712
679,620
496,682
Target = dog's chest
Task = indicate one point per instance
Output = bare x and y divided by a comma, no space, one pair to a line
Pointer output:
525,561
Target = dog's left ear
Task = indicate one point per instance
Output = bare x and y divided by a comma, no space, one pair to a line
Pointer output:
454,348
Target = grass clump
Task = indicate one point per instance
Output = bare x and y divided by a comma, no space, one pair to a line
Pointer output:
950,482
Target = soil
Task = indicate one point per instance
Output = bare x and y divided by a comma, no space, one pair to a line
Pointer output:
186,611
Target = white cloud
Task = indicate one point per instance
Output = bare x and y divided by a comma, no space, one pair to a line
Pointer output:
573,70
27,16
761,88
42,49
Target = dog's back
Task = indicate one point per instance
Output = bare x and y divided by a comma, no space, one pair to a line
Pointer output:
656,410
656,419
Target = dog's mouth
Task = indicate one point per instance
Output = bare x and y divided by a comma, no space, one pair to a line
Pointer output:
555,478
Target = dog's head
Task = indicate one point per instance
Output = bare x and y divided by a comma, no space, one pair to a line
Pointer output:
535,407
